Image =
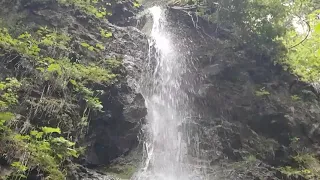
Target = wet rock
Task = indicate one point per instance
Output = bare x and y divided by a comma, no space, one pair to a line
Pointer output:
237,121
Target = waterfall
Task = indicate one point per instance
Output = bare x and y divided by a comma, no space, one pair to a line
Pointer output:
166,144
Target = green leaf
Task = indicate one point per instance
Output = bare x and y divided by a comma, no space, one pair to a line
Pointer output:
73,152
91,48
62,140
107,35
60,156
21,137
49,130
19,166
44,146
73,82
85,44
36,134
55,68
6,116
317,28
136,4
100,46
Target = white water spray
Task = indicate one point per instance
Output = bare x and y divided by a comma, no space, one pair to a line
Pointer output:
166,148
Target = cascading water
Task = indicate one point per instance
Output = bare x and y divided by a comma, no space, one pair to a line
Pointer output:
166,147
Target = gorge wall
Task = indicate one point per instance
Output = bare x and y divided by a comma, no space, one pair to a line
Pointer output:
250,119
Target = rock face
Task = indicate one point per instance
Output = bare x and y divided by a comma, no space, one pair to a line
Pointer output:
251,116
114,131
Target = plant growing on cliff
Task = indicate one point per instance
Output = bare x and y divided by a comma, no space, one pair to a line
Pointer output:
105,34
62,70
48,89
88,6
295,98
304,49
308,167
40,150
8,92
262,92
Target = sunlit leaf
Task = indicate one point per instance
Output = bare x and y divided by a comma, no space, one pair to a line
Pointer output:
49,130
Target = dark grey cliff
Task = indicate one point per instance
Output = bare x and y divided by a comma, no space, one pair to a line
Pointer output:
250,116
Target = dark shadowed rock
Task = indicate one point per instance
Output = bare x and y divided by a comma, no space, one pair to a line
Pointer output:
248,115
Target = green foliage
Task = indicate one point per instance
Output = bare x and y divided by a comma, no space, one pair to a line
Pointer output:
88,46
254,23
295,139
53,38
20,169
100,46
28,45
105,34
8,92
84,44
136,4
291,172
97,47
250,159
113,63
62,69
49,130
94,103
88,6
5,117
307,167
295,98
61,84
55,68
24,44
304,53
41,151
262,92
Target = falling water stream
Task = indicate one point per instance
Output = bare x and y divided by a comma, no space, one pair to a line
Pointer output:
165,146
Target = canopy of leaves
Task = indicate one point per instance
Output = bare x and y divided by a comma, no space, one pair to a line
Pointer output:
303,57
270,26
